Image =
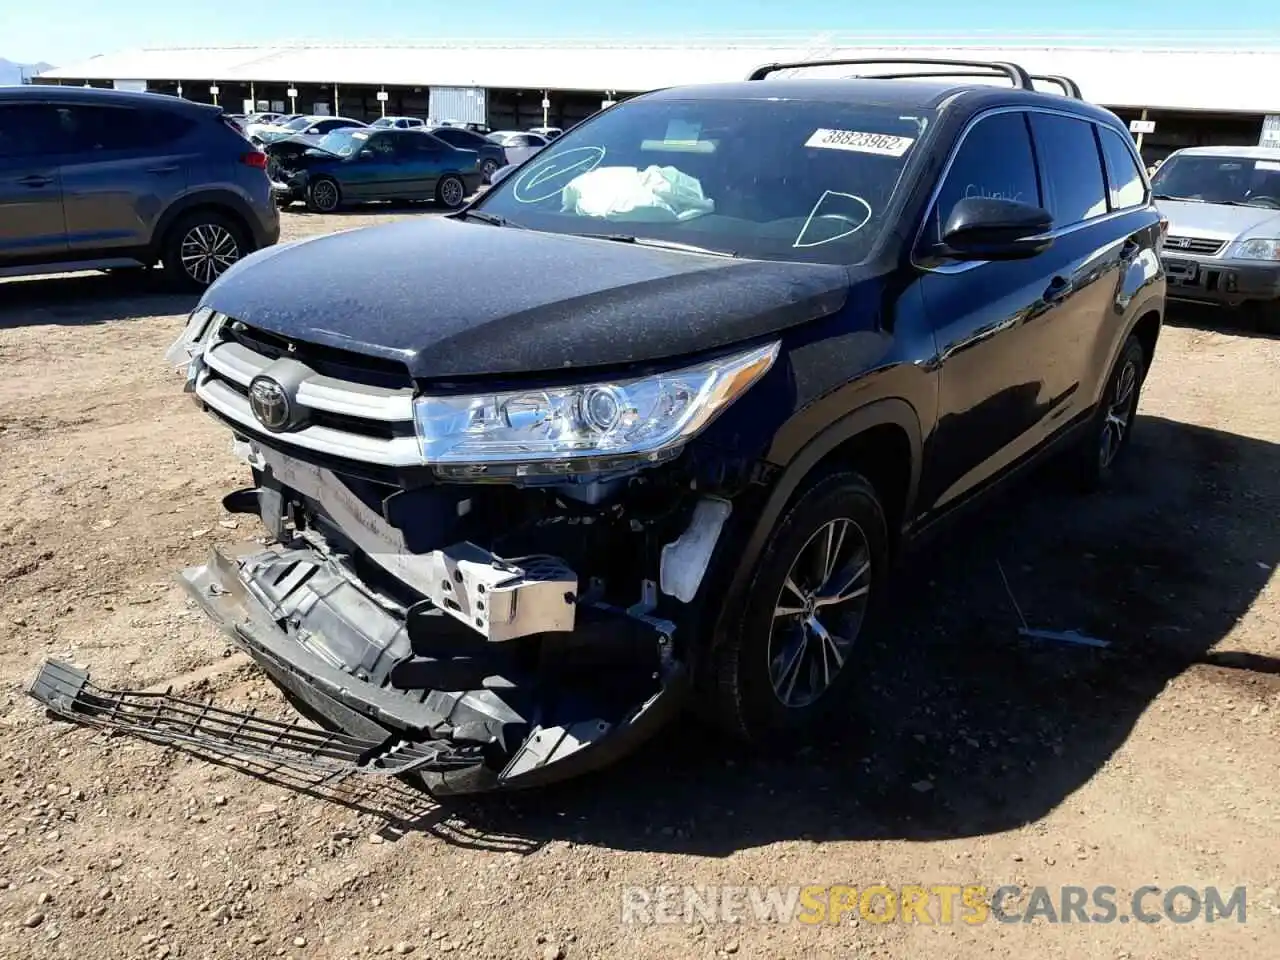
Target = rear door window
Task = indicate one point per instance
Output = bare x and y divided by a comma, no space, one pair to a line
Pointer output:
994,160
1123,174
99,129
1071,168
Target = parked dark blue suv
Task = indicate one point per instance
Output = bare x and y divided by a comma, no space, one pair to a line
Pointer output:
645,425
103,179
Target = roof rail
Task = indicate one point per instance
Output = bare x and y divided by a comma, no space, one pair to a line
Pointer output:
1069,87
1016,74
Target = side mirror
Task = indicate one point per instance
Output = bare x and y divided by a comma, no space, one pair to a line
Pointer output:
366,154
991,228
501,174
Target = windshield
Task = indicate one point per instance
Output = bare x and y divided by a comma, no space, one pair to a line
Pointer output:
383,122
1241,180
344,142
297,123
768,179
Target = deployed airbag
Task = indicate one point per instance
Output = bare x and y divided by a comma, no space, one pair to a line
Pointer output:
654,194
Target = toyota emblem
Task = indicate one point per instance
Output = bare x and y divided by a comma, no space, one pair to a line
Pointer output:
270,403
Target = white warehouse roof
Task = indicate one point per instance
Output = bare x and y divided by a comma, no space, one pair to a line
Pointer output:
1223,80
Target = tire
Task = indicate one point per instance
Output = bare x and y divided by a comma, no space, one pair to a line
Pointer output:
1107,439
451,192
201,246
488,168
323,195
753,695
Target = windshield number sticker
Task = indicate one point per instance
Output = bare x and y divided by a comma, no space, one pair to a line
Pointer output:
859,142
884,144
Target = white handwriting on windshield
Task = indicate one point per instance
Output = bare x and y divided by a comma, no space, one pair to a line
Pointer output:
987,193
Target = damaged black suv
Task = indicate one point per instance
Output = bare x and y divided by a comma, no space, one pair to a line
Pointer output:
646,423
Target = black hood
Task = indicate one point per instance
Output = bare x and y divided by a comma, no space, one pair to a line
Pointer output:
454,299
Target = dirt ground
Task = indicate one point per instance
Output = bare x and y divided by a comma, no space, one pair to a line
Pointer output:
974,757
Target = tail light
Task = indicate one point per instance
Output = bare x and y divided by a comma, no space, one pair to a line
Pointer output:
256,159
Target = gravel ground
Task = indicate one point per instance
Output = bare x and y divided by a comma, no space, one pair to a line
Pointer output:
975,757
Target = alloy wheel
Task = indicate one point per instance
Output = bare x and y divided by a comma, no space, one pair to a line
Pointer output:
324,195
1119,413
819,612
207,251
452,192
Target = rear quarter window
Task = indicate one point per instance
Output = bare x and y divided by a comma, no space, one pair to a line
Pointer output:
1124,178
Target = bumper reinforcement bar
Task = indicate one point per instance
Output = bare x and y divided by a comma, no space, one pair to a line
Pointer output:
168,719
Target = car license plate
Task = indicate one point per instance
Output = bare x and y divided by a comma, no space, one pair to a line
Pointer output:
1181,270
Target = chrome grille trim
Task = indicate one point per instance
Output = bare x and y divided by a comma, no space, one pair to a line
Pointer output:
1199,246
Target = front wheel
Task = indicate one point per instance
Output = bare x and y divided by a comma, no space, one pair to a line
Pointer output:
793,654
323,196
451,192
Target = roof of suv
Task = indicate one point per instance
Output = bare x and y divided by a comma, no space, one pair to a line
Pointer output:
921,93
44,93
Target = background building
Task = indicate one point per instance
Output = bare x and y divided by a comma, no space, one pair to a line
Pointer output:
1191,96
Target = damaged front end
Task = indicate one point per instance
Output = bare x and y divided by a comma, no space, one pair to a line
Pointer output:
481,628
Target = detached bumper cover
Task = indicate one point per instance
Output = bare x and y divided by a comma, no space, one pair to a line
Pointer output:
361,670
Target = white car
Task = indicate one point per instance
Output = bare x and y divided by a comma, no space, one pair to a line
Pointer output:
519,144
398,123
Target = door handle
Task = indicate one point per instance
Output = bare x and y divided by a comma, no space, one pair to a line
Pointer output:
35,180
1058,290
171,168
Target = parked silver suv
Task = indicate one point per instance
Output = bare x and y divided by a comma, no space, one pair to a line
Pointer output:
1223,240
104,179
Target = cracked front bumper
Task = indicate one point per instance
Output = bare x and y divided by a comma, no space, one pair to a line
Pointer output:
415,687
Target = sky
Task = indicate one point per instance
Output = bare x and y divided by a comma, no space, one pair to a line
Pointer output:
71,30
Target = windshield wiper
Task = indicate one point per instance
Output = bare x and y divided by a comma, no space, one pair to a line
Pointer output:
1165,196
489,218
663,244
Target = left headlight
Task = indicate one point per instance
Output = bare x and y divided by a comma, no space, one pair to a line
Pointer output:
1257,248
644,418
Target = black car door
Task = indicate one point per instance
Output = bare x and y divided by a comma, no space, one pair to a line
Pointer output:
31,217
992,322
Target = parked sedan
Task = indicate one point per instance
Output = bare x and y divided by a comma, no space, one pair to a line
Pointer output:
398,123
519,145
310,129
493,156
361,164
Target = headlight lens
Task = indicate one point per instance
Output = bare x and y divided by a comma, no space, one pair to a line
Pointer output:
1258,248
185,347
643,417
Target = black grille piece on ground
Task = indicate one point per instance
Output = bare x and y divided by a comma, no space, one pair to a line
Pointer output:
178,721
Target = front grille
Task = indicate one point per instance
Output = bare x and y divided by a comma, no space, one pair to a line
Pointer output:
347,406
1200,246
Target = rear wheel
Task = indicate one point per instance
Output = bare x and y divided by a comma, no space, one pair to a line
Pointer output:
450,192
488,168
323,195
201,246
1112,425
795,651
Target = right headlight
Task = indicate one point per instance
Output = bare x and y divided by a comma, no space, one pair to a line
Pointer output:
642,417
1257,248
184,348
